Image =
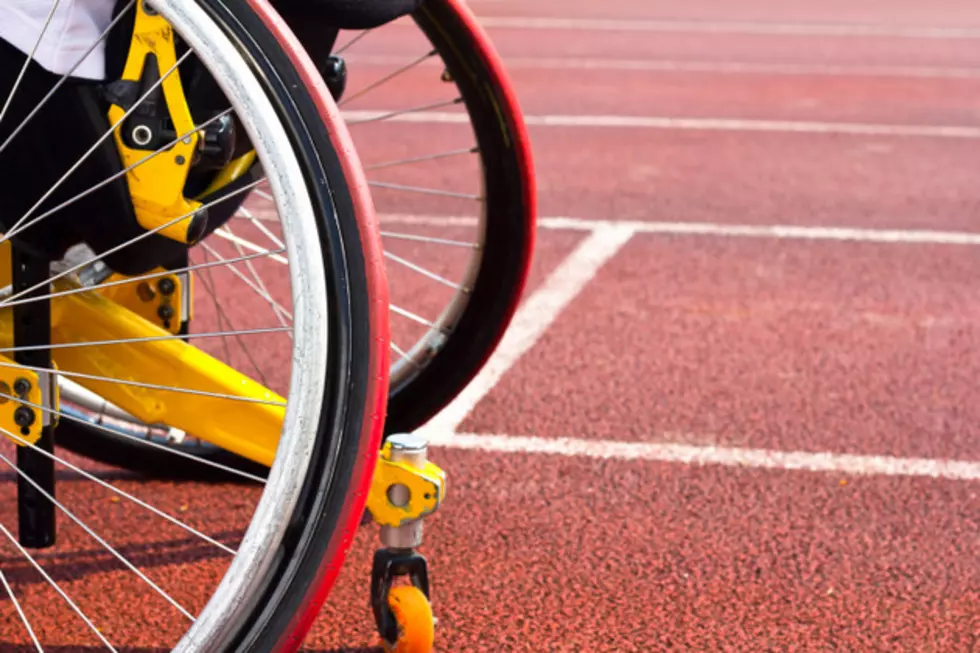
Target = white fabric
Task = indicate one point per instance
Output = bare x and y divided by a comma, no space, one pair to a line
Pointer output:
75,26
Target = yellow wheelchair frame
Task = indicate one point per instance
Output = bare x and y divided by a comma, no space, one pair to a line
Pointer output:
145,354
128,329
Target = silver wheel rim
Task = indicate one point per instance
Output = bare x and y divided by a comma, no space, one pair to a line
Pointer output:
237,591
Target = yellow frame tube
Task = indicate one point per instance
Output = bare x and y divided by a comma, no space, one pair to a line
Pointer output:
248,428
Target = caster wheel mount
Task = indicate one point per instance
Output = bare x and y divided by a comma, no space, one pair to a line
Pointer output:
406,488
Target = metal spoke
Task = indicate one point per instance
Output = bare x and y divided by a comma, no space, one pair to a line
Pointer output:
257,278
354,40
209,287
370,87
57,588
240,275
429,220
419,159
222,233
172,336
257,221
400,112
123,559
20,611
397,310
430,239
403,356
208,281
149,386
240,215
264,195
161,447
424,191
261,227
424,272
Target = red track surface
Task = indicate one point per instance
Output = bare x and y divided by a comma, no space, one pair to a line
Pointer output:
705,340
786,345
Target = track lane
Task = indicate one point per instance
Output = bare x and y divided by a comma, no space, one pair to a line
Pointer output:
769,49
897,100
728,175
758,178
952,13
860,348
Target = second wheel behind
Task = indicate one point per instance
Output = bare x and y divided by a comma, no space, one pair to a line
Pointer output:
448,163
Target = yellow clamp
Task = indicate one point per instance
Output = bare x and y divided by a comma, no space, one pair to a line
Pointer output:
426,490
23,418
159,300
157,184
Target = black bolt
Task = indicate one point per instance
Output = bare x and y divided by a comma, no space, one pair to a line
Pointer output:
166,286
165,312
23,416
180,160
22,386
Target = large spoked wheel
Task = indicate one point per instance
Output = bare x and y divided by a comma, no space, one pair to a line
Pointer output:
448,161
261,559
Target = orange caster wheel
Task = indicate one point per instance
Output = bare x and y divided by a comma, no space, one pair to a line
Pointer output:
413,614
402,612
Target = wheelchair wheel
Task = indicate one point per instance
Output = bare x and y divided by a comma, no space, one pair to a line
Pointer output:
240,568
457,256
449,162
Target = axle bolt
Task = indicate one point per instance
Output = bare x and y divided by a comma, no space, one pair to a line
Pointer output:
22,386
23,416
166,286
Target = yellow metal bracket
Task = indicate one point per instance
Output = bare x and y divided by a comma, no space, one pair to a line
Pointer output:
426,489
157,184
21,392
159,300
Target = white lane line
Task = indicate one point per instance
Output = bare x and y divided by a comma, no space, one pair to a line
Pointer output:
725,67
857,465
775,231
689,124
778,232
533,318
730,27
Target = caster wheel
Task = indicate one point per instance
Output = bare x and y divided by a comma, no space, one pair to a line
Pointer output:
416,626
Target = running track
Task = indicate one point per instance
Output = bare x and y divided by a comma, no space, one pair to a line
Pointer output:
737,409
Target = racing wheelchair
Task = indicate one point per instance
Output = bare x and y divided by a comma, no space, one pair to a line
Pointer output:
212,156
